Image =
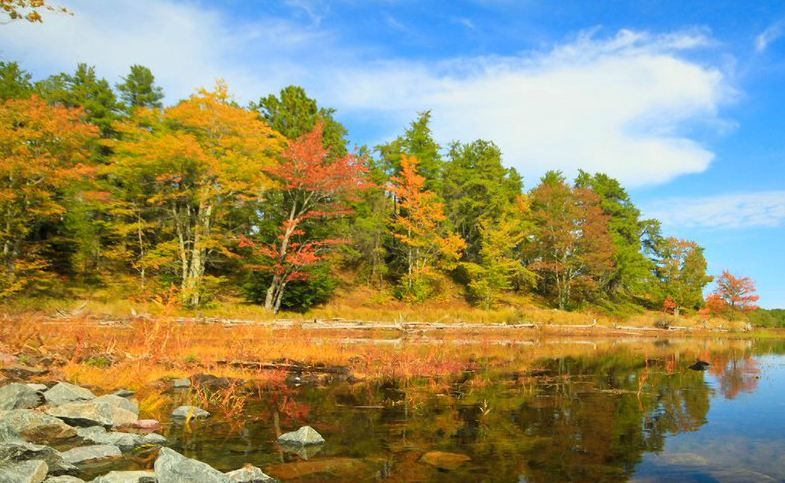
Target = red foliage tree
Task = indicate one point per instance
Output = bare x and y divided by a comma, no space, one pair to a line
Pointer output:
311,186
738,293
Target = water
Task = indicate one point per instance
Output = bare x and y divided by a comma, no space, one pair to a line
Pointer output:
560,410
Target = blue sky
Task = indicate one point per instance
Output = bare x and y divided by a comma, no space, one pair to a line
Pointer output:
682,101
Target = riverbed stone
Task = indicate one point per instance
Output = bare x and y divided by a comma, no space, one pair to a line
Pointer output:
190,412
19,396
120,402
84,454
64,479
91,413
444,460
36,386
305,436
147,423
249,474
154,439
139,476
125,441
172,467
64,393
124,393
33,471
33,426
14,452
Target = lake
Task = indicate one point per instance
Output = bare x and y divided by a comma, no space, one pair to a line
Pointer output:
563,409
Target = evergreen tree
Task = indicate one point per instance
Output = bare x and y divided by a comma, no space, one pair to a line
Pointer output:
138,89
418,142
14,82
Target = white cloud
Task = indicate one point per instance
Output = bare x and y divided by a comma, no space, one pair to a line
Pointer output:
621,104
732,211
771,34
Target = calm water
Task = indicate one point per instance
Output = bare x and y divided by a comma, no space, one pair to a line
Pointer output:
580,411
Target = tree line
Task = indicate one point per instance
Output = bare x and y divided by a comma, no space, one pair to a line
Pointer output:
104,185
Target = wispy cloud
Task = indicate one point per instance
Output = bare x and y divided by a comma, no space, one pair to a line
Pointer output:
731,211
770,35
620,103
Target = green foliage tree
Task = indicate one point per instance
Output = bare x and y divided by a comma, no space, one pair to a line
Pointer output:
681,269
418,142
14,82
84,89
138,89
478,191
293,114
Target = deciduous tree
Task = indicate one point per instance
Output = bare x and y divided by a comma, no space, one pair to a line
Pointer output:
681,269
738,293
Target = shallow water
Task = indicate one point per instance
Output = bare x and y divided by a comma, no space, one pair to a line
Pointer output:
560,410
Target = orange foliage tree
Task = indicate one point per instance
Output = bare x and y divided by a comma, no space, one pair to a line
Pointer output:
420,227
183,169
43,149
733,294
311,187
571,250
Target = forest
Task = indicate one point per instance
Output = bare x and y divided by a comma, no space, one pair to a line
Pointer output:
104,185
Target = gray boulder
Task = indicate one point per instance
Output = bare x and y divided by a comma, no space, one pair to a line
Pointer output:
172,467
91,413
18,452
304,436
84,454
250,474
127,477
20,371
181,383
120,402
33,471
64,393
154,438
190,412
125,441
63,479
36,387
19,396
33,426
124,393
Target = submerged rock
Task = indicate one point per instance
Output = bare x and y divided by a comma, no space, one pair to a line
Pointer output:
83,454
142,476
172,467
33,426
444,460
700,366
328,469
19,396
91,413
124,393
304,436
249,474
64,393
33,471
18,452
181,383
120,402
190,412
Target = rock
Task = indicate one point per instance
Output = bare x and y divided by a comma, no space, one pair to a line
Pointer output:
99,435
249,474
444,460
172,467
699,365
18,452
304,436
83,454
33,426
212,382
63,479
147,423
154,438
181,383
124,393
19,396
190,412
91,413
142,476
18,371
36,387
33,471
64,393
304,452
120,402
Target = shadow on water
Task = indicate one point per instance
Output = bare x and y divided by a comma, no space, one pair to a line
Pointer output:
604,411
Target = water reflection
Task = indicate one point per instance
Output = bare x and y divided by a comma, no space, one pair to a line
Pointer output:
558,411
